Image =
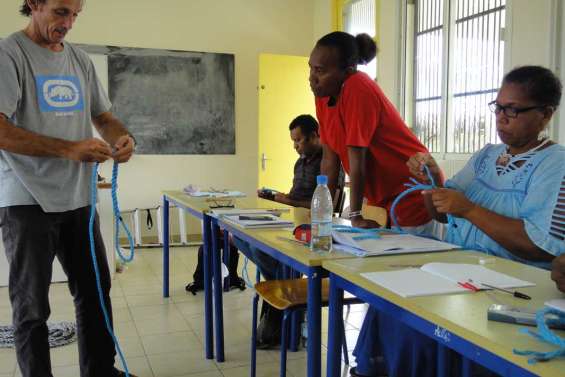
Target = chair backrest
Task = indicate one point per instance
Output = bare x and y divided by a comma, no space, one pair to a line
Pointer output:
377,214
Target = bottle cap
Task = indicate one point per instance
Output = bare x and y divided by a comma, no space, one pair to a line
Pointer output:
322,179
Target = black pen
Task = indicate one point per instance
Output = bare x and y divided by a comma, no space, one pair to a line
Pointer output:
513,293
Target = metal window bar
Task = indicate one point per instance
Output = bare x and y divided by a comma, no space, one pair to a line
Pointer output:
478,67
359,17
428,72
475,70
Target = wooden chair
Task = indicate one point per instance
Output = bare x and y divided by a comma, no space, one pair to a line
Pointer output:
289,296
377,214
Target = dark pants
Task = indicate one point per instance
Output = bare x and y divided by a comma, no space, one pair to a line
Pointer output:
406,351
32,238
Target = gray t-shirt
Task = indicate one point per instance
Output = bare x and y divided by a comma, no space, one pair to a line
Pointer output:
54,94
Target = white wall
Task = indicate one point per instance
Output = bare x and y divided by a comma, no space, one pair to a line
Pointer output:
242,27
322,19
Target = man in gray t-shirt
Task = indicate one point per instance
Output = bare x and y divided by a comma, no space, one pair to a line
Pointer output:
50,96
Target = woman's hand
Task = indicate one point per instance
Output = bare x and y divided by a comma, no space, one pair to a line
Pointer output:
450,201
416,165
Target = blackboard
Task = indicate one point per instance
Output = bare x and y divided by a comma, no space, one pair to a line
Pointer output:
174,102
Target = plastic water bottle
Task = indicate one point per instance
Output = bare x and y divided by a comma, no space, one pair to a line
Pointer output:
321,214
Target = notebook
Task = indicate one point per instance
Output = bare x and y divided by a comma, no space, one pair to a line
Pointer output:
441,278
258,220
214,194
243,211
386,244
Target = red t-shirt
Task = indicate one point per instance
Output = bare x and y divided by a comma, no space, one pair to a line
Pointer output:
364,117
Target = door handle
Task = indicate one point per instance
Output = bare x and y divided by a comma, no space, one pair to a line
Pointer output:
264,160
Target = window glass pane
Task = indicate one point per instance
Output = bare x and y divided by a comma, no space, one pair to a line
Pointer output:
477,60
428,73
475,63
359,17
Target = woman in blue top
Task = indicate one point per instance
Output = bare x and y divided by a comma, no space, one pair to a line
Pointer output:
508,201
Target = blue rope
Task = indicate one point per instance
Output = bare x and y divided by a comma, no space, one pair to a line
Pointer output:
417,186
93,194
545,335
118,220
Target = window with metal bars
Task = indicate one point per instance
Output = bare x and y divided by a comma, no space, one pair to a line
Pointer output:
458,59
359,17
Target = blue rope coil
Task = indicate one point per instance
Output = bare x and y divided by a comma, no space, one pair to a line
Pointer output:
417,186
545,335
93,198
118,220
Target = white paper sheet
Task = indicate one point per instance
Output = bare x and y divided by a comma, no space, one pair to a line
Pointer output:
441,278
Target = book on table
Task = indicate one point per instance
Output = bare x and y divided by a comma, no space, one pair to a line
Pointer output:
385,243
442,278
257,220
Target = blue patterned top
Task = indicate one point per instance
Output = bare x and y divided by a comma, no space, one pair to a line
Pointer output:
530,187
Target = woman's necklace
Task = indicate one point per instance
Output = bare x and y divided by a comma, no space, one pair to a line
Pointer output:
506,157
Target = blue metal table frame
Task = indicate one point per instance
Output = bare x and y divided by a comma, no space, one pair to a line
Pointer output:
445,338
314,307
212,266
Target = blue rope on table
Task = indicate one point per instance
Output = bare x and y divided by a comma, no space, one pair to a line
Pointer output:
545,335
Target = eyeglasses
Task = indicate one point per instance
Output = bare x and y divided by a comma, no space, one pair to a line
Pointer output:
510,111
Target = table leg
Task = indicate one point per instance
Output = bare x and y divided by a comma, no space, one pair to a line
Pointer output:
165,247
465,367
314,314
226,258
335,332
253,371
442,364
208,316
218,288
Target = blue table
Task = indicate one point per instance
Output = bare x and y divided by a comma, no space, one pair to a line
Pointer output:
213,301
199,208
298,258
458,322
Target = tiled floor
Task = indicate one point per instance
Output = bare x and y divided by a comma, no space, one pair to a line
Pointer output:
164,337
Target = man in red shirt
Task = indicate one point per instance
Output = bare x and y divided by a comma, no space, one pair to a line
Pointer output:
361,129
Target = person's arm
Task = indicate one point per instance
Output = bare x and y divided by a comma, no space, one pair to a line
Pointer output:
285,199
20,141
357,164
508,232
329,167
115,133
558,272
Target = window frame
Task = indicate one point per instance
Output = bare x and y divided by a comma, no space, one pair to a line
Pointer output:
407,73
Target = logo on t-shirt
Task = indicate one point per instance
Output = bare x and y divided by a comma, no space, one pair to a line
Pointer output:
59,93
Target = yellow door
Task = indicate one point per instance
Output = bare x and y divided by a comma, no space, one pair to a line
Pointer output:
284,93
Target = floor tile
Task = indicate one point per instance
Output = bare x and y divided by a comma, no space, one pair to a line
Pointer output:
170,343
177,364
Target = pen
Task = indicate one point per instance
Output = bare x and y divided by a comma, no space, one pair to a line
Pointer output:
468,286
513,293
